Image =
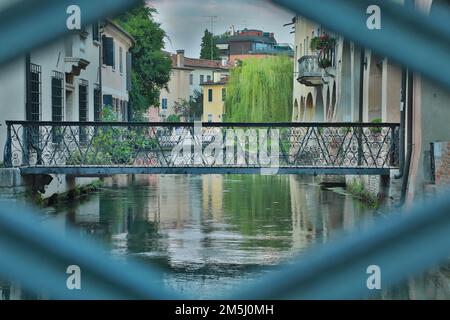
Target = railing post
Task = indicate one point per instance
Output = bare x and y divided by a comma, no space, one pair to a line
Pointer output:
360,149
7,156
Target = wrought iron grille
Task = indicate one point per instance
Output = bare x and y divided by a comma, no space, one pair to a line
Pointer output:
35,89
227,145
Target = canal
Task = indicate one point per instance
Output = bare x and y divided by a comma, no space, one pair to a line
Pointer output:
212,232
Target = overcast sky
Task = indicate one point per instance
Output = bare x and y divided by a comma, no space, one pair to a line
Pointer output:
185,20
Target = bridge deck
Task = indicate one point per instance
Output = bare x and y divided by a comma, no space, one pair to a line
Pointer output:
95,171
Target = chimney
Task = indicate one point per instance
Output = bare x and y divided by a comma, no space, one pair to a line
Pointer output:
180,58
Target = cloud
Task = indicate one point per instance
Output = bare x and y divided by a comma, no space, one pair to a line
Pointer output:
185,20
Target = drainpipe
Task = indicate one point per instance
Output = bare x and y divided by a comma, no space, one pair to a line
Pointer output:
409,126
402,125
100,63
361,84
409,139
27,86
361,102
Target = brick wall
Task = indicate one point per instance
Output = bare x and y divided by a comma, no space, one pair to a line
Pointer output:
441,153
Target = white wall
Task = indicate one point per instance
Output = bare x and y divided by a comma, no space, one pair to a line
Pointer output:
12,96
196,84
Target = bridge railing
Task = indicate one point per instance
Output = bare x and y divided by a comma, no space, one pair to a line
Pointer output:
231,145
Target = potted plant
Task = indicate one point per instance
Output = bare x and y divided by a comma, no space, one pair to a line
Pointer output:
323,46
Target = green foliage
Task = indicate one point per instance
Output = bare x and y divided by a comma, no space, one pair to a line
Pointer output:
261,91
150,66
322,43
191,109
173,118
376,130
113,145
208,40
196,105
358,190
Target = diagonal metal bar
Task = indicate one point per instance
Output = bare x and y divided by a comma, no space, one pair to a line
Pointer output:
28,24
400,245
407,36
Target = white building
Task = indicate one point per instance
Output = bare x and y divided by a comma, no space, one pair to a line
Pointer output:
63,82
59,82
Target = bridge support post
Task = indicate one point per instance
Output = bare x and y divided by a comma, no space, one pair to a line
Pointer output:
384,191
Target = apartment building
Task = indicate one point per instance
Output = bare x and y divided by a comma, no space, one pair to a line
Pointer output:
214,96
327,79
116,69
187,77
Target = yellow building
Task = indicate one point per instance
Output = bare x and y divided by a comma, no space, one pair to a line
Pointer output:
214,95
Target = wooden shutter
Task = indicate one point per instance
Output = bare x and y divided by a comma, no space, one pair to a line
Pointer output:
108,51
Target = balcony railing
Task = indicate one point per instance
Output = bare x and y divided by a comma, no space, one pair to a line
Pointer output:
309,72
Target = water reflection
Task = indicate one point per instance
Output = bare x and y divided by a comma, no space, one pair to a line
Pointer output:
212,232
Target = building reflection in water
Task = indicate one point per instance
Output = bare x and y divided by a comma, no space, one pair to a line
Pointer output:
212,232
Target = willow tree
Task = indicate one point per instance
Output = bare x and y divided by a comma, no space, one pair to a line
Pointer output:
260,90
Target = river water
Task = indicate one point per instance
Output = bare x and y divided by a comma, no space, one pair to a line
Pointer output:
212,232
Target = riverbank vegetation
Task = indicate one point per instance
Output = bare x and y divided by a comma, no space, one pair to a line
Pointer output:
358,190
260,90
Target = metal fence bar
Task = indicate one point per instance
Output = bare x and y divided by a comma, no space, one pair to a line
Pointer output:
407,36
31,23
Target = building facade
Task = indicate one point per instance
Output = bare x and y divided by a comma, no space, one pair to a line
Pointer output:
250,43
187,77
374,89
214,96
330,93
116,69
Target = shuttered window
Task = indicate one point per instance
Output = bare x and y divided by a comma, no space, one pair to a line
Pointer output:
83,108
108,51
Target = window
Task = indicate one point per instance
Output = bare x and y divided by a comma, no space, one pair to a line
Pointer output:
202,78
307,45
83,108
115,103
121,59
35,89
96,31
108,51
57,104
97,104
224,94
208,78
191,79
57,96
210,117
210,95
164,104
124,110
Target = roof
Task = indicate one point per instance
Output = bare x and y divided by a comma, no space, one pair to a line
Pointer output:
263,39
120,29
198,63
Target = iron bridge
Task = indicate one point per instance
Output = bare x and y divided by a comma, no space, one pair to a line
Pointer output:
106,148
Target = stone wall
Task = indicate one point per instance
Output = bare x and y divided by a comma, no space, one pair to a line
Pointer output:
441,154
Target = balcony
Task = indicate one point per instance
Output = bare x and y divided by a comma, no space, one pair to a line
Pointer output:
309,72
76,58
